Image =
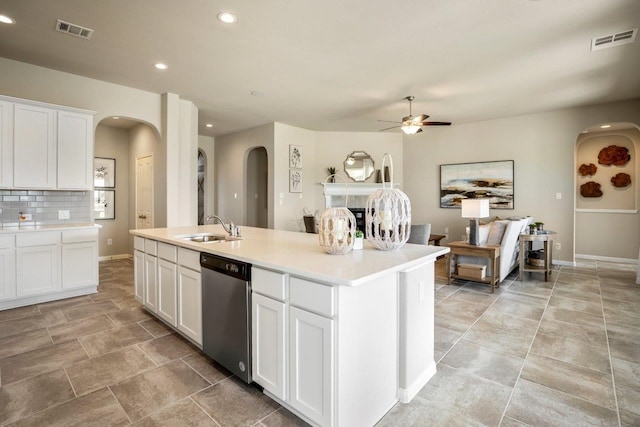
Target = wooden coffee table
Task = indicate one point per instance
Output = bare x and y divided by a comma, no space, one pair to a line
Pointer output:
490,252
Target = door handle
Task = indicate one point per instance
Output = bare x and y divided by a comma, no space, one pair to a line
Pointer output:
142,216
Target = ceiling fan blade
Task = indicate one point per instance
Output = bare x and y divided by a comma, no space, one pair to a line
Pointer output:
392,127
435,124
421,118
389,121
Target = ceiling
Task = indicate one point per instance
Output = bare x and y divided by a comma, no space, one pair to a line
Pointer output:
340,65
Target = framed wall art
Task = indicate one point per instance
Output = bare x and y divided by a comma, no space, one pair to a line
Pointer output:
104,204
295,181
104,172
295,156
482,180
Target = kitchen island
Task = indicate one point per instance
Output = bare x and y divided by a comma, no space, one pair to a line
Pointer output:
337,339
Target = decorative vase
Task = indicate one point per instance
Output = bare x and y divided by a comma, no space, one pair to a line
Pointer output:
378,176
388,215
358,243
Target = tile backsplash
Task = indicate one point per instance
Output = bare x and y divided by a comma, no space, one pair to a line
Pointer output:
43,206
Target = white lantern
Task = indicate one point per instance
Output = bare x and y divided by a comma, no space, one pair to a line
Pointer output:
337,229
388,216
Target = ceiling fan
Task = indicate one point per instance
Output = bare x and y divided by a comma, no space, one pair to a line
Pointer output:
411,125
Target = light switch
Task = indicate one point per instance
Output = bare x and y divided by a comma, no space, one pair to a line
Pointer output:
63,214
559,196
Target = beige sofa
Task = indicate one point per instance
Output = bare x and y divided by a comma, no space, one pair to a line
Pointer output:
504,232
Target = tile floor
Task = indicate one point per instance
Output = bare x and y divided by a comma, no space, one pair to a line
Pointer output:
564,352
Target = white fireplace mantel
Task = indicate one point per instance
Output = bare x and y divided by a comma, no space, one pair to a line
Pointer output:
358,192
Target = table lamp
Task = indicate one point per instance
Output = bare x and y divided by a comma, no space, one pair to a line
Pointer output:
474,209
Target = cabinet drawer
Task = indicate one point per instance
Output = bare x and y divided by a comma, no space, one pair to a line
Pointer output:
312,296
268,283
79,236
7,241
38,238
150,247
189,259
138,243
168,252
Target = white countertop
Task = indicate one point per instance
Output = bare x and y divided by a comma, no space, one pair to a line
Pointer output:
300,253
46,227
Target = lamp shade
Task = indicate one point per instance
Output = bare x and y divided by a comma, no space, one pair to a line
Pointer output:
475,208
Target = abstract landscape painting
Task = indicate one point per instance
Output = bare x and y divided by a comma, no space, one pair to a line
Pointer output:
484,180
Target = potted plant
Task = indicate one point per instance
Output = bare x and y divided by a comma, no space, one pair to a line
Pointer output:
332,171
357,243
539,226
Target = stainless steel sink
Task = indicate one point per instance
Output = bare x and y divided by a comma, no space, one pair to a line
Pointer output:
207,238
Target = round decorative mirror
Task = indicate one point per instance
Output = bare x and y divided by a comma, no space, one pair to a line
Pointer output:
359,166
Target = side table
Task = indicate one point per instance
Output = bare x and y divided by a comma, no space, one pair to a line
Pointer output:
490,252
435,238
526,241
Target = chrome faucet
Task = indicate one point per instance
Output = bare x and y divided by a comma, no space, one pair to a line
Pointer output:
231,228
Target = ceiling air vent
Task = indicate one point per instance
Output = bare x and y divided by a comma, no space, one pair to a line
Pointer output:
612,40
74,30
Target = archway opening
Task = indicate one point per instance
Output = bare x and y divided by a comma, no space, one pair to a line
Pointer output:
257,205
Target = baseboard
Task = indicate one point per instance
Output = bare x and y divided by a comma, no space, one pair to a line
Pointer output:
567,263
405,395
607,258
112,257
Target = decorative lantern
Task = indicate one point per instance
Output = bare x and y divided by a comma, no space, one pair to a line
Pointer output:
337,228
388,216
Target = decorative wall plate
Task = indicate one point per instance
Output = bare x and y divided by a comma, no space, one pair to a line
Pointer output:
621,180
587,169
614,155
590,189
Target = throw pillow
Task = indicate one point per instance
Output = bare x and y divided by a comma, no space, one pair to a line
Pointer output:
496,232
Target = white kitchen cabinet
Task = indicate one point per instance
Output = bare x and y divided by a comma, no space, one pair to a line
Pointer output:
150,282
167,301
138,272
6,144
79,258
34,147
7,267
268,344
75,151
311,365
37,263
190,303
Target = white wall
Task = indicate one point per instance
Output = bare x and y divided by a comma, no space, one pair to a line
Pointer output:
543,148
207,145
112,142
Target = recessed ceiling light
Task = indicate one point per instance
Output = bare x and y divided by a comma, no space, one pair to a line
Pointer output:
209,125
257,93
605,126
227,18
161,66
6,19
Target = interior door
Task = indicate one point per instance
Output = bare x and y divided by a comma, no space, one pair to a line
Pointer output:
144,192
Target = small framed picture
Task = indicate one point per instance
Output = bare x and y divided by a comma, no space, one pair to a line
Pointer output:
104,204
295,156
104,172
295,181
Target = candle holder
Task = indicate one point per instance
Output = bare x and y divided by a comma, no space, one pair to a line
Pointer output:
388,215
337,227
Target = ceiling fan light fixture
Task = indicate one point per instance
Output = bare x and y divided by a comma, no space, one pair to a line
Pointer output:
410,129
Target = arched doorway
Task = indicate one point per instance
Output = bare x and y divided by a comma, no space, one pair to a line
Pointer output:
202,172
257,181
607,194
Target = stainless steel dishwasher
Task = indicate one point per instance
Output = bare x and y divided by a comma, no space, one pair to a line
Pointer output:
226,313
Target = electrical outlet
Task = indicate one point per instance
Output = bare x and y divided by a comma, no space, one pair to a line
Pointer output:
109,242
63,215
446,230
558,246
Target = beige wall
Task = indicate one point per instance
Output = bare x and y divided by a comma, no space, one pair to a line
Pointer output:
113,143
613,217
231,152
543,148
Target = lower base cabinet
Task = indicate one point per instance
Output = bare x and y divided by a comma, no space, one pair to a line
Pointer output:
311,365
79,266
7,274
151,283
190,303
167,306
138,272
38,270
268,337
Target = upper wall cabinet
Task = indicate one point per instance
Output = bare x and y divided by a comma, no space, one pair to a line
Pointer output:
34,147
6,144
45,146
